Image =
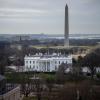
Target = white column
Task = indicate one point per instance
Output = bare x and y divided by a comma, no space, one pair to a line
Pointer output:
50,66
40,66
46,65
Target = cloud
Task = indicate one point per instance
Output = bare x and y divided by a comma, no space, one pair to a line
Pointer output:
8,12
48,15
28,13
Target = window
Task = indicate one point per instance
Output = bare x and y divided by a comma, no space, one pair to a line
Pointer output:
26,67
59,62
26,61
62,61
55,62
33,67
30,62
33,62
56,68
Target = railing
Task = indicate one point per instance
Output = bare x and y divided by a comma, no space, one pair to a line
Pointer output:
7,88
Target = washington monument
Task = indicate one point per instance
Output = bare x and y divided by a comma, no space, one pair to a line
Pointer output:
66,36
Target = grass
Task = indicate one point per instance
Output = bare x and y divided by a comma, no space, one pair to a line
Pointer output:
29,98
60,47
50,77
34,98
11,77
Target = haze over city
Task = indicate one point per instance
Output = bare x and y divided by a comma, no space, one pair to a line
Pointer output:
47,16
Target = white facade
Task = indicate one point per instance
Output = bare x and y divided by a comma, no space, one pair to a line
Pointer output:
45,63
87,70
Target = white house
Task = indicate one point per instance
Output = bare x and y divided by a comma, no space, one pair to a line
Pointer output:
45,63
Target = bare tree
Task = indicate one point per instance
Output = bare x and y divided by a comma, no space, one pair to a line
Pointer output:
85,89
60,74
91,60
26,89
77,66
37,83
25,85
68,92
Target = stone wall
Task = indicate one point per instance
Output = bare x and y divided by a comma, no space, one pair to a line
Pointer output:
14,94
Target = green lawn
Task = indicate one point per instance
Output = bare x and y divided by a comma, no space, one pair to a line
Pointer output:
18,77
33,98
29,98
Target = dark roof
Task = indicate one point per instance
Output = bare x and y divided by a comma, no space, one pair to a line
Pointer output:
2,77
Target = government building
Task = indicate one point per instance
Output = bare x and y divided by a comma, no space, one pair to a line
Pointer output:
45,62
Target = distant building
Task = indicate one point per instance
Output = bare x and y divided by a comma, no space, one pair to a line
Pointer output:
87,70
45,63
20,37
16,46
13,68
4,45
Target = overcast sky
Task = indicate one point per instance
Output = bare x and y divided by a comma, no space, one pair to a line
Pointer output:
47,16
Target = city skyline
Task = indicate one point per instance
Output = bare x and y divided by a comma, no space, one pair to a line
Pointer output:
47,16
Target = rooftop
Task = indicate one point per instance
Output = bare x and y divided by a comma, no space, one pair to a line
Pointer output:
2,77
40,55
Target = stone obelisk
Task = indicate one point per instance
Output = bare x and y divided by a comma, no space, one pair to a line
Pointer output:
66,36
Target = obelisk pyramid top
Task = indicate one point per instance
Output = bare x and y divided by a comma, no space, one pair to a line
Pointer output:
66,6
